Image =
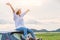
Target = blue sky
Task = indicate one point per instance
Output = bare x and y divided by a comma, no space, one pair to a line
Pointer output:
44,14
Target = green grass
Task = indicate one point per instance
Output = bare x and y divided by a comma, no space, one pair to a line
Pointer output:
49,36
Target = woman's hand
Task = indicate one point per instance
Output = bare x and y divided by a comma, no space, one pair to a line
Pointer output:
8,4
27,10
11,7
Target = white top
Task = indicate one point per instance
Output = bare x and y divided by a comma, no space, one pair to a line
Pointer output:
19,22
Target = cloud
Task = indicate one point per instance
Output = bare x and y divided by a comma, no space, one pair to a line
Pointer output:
32,22
2,21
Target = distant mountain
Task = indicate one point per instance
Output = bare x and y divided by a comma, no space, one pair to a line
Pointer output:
58,30
34,30
44,30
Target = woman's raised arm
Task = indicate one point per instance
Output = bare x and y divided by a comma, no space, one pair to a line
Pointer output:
27,10
11,7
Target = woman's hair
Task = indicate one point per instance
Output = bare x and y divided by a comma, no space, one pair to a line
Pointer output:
18,12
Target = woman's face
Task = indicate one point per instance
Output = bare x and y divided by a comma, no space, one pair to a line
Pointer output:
18,12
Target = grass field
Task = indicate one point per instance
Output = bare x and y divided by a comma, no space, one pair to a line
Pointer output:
49,35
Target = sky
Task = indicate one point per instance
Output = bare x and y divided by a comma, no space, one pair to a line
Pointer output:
44,14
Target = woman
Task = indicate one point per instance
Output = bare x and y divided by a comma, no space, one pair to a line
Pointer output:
19,22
